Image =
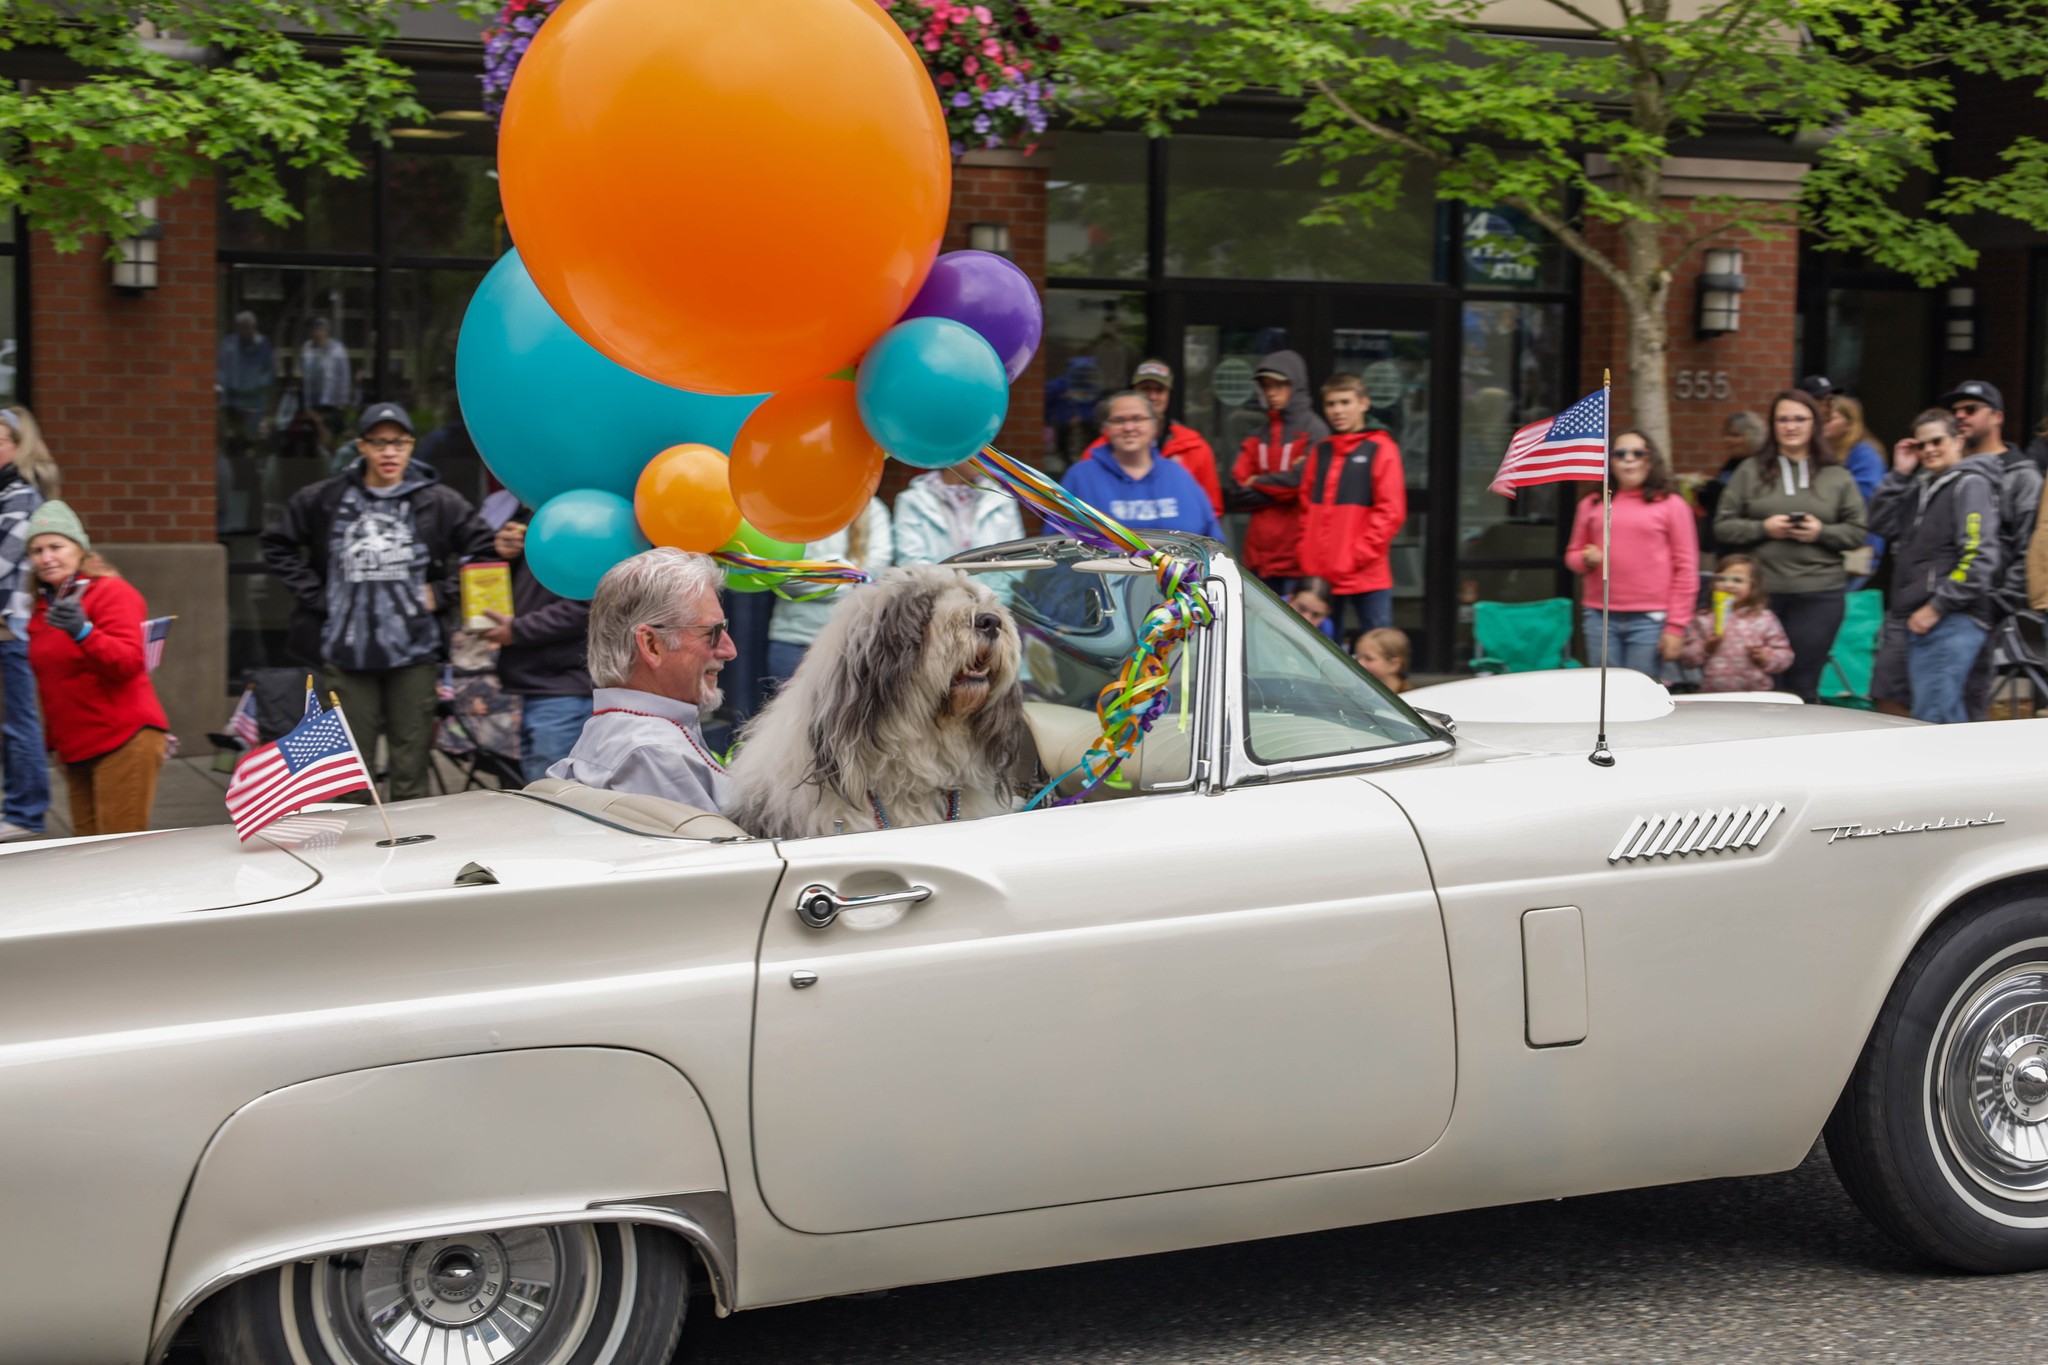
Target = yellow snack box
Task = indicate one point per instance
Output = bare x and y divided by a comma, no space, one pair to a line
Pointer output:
486,586
1721,603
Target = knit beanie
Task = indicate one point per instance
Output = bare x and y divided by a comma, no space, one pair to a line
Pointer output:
56,518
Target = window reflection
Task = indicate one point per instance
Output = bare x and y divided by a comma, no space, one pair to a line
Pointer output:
1510,374
1093,341
1095,206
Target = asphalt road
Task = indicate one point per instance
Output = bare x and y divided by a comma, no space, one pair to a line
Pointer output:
1773,1268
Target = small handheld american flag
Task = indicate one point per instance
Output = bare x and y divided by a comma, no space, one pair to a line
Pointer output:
155,631
1571,445
316,760
242,724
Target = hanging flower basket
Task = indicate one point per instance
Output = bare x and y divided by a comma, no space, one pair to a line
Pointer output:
990,63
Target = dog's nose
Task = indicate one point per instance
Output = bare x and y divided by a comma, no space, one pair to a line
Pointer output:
988,624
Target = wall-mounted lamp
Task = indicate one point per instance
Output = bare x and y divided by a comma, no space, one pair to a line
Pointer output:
993,237
135,257
1721,288
1959,320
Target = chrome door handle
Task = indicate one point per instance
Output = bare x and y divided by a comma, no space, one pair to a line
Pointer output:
818,906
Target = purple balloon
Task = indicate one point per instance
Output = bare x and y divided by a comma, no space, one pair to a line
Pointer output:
990,294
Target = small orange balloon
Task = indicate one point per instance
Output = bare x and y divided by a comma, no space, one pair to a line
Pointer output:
684,499
803,466
729,198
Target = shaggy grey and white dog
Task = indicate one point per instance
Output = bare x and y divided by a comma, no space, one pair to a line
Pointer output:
909,694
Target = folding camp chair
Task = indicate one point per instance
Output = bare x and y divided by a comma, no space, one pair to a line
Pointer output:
479,733
1845,677
1522,637
2019,662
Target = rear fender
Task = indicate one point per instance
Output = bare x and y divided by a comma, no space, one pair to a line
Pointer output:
554,1135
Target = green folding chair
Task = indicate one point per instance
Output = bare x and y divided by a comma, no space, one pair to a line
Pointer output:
1522,637
1845,677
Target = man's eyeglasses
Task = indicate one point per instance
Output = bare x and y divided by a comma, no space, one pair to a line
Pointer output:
1128,422
714,631
386,443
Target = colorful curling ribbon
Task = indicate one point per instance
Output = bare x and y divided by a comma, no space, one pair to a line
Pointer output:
797,580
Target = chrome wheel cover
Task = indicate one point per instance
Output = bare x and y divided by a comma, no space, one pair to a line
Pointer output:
517,1296
1989,1082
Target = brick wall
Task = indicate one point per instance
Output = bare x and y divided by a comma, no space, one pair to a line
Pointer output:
1757,361
123,385
1012,191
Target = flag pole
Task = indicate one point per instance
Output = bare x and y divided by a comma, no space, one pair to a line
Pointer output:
1602,756
335,697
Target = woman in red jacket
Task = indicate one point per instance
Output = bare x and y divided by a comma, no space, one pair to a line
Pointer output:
99,711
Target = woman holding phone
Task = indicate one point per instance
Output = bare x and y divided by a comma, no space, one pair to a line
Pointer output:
1796,509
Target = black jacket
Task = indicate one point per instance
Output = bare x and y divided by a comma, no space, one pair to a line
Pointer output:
296,543
549,653
1943,537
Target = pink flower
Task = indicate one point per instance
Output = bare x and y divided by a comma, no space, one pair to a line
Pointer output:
971,65
947,78
981,13
991,49
931,42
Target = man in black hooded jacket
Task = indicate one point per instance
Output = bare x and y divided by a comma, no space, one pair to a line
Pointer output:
372,556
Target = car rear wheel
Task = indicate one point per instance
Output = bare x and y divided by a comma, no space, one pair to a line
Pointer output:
576,1294
1941,1136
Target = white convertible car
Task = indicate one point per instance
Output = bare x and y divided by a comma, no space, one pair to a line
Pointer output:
517,1092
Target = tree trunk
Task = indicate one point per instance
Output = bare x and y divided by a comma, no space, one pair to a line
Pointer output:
1647,300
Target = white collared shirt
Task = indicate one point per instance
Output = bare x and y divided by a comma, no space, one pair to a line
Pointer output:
639,742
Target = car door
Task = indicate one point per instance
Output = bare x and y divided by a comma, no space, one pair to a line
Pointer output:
1101,1000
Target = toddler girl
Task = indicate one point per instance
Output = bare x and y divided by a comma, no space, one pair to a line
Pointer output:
1384,653
1738,643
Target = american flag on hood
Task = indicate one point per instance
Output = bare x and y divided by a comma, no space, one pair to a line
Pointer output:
1571,445
315,761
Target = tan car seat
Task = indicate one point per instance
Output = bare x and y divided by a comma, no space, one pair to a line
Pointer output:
646,814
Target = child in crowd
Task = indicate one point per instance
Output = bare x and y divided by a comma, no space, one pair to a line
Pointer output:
1313,600
1354,499
1385,653
1738,643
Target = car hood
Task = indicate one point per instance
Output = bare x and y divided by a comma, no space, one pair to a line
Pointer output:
138,876
1557,712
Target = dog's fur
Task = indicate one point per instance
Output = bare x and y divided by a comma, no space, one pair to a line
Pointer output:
910,690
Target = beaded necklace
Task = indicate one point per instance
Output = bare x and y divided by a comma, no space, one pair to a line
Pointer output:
882,814
702,752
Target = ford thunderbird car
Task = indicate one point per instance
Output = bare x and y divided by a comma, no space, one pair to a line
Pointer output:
528,1082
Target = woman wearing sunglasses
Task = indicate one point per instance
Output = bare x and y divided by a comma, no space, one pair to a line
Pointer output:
1655,560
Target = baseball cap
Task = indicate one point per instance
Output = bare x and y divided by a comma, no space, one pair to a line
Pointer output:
1152,372
1976,389
1818,385
383,412
1268,372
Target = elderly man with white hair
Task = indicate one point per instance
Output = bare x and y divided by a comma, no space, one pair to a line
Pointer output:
657,642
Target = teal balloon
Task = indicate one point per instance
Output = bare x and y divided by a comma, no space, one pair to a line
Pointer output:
576,536
932,391
549,414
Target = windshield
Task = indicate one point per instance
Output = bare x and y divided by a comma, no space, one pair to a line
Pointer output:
1078,620
1304,696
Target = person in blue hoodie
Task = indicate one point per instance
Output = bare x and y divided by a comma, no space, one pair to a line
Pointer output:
1135,483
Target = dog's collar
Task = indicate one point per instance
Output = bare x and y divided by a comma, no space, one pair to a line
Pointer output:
882,814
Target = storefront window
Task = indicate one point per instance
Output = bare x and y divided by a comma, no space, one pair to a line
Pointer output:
1220,396
426,316
10,319
334,215
1095,206
1511,372
1878,350
1504,250
1235,210
445,206
1093,341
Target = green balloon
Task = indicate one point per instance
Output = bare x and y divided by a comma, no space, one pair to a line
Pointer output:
748,541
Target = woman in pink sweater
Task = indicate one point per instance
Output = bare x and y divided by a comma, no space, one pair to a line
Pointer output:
1656,560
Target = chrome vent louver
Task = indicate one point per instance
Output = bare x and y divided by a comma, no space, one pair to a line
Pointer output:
1731,829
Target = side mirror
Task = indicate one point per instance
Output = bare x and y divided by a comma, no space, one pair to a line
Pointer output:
1438,721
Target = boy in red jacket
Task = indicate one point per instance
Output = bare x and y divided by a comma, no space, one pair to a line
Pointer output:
1354,499
1268,467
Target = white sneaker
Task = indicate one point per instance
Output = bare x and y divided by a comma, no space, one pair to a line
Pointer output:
9,832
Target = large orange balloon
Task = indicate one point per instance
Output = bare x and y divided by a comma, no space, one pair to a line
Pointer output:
684,499
803,465
729,198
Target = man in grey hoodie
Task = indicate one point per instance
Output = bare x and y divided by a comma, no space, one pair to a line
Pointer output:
1939,510
373,556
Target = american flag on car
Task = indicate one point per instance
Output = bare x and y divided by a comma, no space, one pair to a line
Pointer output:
1571,445
316,760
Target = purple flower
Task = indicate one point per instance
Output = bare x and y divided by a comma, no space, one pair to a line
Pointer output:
961,99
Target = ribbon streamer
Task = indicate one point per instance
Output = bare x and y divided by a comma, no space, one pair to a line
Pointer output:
797,580
1130,704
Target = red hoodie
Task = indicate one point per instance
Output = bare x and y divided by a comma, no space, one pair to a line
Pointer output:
1354,498
1186,448
96,693
1272,542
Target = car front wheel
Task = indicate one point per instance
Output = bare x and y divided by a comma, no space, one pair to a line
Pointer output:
1941,1136
576,1294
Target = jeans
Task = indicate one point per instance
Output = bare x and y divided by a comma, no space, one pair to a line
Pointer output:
1811,621
1938,663
1634,635
745,677
397,703
1374,610
548,727
22,753
783,657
